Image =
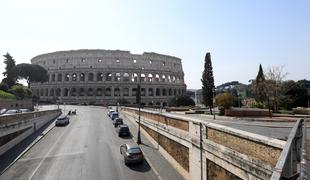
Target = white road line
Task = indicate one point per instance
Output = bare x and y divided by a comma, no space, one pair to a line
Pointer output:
46,155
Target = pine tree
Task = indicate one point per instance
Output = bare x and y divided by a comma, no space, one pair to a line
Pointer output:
260,86
10,78
208,83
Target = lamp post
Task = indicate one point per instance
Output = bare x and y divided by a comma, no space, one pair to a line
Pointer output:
139,105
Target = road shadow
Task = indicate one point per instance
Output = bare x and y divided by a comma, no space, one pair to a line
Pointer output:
149,146
141,167
7,158
126,137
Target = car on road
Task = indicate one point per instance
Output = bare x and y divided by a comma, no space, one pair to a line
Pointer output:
62,120
11,111
114,115
117,122
24,110
110,112
132,153
2,111
123,130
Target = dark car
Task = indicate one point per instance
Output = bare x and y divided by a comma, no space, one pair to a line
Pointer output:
131,153
114,115
62,120
123,130
117,122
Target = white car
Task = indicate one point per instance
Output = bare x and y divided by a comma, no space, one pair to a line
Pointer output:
110,112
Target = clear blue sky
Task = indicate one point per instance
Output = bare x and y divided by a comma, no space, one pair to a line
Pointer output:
240,34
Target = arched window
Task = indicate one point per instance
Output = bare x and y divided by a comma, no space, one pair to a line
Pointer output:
91,77
142,77
117,77
81,92
157,92
67,77
134,77
173,79
53,77
170,92
99,76
169,79
108,77
150,93
90,92
107,92
74,77
126,77
66,92
126,92
59,77
163,78
58,92
82,77
156,78
142,91
164,92
52,92
117,92
99,92
150,78
73,92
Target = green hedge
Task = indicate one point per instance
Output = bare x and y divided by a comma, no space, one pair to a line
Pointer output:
6,95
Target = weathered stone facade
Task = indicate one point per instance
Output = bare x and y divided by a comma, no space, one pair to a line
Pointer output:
109,76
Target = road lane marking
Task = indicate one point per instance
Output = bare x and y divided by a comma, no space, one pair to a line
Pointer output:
53,156
46,155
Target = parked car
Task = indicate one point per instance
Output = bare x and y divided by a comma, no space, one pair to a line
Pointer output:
114,115
117,121
131,153
24,110
110,112
123,130
62,120
2,111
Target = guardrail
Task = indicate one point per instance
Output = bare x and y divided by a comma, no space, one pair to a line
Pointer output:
291,155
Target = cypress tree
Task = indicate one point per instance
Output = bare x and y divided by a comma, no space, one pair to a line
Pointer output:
208,83
10,77
260,88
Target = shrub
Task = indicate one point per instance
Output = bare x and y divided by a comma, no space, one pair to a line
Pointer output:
20,91
6,95
4,87
225,100
181,101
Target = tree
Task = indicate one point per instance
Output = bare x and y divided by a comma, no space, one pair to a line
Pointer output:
4,87
208,83
224,101
183,100
274,77
20,91
9,76
259,86
31,72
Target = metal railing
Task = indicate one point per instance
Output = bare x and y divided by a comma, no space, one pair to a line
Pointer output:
291,155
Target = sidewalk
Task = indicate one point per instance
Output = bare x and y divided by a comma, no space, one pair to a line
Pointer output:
157,161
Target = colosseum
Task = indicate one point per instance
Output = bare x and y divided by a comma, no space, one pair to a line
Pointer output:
109,77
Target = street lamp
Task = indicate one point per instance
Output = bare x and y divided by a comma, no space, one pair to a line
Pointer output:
138,94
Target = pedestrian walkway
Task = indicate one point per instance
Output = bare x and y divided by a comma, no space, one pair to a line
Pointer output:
157,161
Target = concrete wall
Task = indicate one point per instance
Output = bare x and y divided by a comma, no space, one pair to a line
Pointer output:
15,104
15,128
221,152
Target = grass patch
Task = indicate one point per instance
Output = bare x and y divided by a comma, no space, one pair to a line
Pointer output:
6,95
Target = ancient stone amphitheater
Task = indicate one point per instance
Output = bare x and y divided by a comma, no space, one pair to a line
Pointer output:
108,77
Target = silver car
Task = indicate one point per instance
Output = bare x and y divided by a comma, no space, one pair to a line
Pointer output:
131,153
62,120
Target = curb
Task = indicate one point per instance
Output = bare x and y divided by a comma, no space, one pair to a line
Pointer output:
145,157
49,128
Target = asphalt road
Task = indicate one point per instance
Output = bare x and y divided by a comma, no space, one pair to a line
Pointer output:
87,148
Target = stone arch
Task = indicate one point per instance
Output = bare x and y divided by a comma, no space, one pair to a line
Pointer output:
142,77
117,91
53,77
107,91
58,92
82,77
99,92
157,92
66,92
169,78
67,77
157,78
126,77
100,76
164,92
134,77
108,77
117,77
150,92
150,78
51,92
74,77
73,92
126,92
170,92
90,92
90,76
163,78
81,92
